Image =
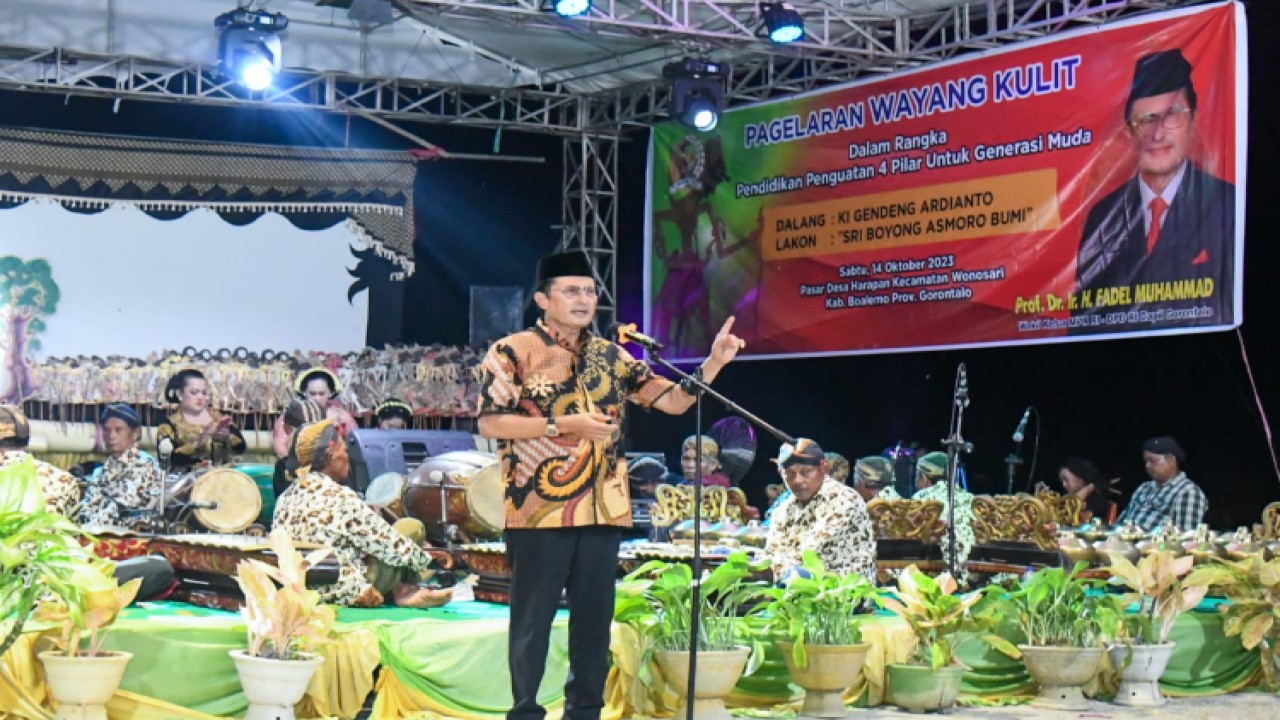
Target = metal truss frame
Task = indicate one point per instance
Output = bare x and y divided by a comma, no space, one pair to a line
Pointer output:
590,212
843,42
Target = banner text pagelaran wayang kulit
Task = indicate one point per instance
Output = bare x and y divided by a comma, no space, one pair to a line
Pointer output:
1082,186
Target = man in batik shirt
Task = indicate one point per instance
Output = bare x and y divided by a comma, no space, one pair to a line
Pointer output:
822,515
128,485
61,493
873,479
376,561
931,482
554,396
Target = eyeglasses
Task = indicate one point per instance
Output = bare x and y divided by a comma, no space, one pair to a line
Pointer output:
1171,119
574,292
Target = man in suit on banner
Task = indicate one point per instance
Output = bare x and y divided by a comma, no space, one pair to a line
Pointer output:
1171,222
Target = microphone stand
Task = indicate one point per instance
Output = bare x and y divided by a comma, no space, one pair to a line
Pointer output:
1013,461
700,388
955,444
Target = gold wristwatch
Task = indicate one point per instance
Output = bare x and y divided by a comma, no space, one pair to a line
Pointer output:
552,430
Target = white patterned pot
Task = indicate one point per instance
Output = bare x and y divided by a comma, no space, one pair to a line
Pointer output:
273,687
81,686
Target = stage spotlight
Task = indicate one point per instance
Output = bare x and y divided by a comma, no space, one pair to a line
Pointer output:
249,46
781,22
697,91
566,8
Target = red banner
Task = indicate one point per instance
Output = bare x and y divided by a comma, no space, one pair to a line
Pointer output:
1087,185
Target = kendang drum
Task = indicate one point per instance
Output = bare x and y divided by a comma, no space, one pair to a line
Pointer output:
384,495
226,500
459,489
263,476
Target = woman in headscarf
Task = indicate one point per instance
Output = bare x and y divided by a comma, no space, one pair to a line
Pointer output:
393,414
711,474
931,484
376,561
129,481
197,432
321,386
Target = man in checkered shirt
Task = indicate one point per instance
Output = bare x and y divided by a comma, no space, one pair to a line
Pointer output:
1169,494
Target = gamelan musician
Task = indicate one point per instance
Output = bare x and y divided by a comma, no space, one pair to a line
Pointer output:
376,560
61,493
198,432
129,481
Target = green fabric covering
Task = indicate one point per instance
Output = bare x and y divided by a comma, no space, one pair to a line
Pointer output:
172,644
463,666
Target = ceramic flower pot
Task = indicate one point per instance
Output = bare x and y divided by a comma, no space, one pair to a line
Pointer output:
918,688
1140,668
273,687
718,672
81,686
1061,672
830,670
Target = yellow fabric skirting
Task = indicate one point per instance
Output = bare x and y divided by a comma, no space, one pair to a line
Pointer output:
337,690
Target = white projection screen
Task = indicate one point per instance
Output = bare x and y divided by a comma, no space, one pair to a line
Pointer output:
131,284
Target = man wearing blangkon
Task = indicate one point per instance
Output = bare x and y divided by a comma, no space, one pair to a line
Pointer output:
1165,239
554,397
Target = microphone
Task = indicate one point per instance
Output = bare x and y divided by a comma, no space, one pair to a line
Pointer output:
628,334
1021,431
962,389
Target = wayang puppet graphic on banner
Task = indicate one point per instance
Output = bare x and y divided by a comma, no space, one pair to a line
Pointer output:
1090,186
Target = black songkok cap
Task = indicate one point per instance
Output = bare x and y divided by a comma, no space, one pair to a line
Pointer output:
565,264
1156,74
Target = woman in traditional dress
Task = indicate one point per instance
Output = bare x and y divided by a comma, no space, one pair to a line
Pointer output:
197,432
393,414
320,386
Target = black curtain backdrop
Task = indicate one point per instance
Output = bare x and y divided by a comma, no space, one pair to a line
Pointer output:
482,223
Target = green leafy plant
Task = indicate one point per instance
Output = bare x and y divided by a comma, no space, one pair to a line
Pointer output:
283,617
1057,608
1253,587
103,597
1158,590
940,619
817,609
41,554
656,598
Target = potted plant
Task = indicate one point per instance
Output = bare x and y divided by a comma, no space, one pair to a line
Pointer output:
656,599
1253,587
42,559
285,620
1161,596
816,610
41,552
81,676
940,620
1065,619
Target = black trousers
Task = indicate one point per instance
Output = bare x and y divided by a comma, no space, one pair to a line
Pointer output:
154,570
582,562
